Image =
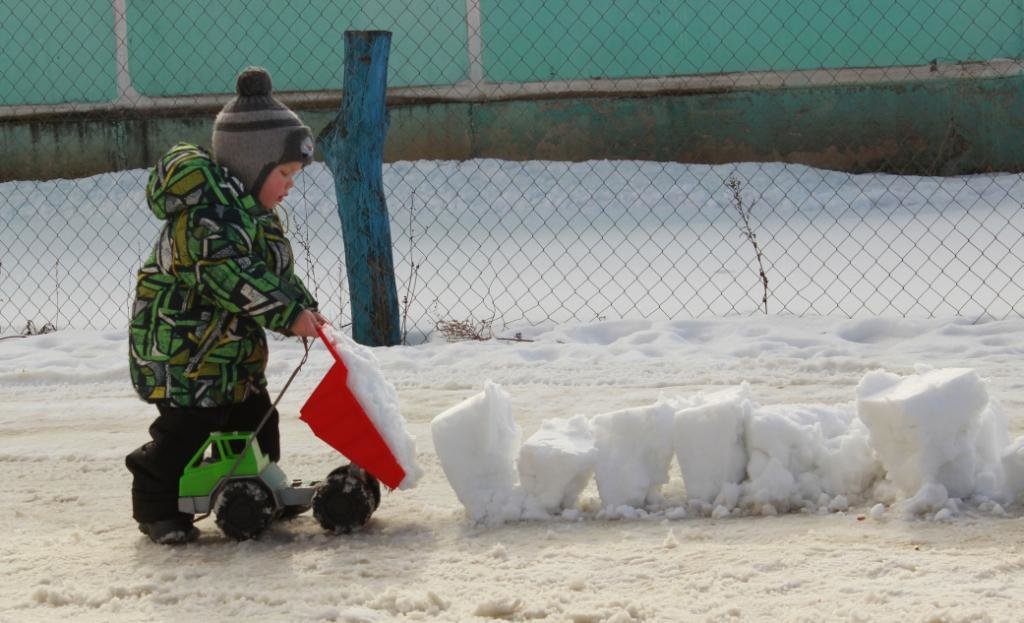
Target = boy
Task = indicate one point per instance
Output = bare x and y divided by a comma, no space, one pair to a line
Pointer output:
220,273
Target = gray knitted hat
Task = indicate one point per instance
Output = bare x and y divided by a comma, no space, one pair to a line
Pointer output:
254,132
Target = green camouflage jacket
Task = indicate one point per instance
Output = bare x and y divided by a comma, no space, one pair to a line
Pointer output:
220,272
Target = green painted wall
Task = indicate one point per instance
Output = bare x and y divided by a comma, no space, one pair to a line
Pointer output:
936,127
184,47
57,51
941,127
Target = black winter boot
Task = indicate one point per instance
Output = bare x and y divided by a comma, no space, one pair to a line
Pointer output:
174,531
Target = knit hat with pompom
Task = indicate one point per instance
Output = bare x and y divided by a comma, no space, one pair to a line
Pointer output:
254,132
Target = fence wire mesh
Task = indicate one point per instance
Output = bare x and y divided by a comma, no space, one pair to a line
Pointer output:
549,162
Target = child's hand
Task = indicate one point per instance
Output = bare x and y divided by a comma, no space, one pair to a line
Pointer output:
306,323
321,320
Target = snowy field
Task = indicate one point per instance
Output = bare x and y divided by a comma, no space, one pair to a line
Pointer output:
71,551
537,242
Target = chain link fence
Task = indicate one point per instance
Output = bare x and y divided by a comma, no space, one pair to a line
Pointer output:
549,162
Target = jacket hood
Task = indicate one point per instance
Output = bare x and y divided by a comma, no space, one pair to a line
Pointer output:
180,180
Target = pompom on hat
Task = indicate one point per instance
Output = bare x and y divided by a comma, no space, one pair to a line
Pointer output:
254,132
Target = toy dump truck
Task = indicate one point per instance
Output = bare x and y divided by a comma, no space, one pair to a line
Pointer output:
232,478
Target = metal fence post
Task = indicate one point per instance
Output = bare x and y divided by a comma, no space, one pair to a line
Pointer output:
353,148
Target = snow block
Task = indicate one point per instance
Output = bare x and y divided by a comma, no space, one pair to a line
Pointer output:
806,455
930,498
708,440
926,429
991,443
557,462
476,442
1012,461
634,451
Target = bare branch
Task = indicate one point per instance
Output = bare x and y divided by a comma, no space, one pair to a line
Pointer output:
464,330
746,212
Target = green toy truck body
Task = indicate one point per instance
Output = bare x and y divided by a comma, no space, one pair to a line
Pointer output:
231,476
211,467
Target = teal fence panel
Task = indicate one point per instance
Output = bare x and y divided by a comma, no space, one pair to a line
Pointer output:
48,58
181,47
535,40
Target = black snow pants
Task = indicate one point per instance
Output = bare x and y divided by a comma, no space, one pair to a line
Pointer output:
177,435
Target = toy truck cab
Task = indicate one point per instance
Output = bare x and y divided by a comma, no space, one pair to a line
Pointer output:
225,457
247,491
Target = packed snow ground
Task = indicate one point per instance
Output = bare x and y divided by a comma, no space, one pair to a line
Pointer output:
68,416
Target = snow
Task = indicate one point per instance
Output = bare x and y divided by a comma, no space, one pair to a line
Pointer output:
927,429
1012,460
476,442
69,416
672,469
557,462
935,435
619,239
806,456
634,449
709,445
380,402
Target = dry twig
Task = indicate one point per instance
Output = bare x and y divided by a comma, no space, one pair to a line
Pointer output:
463,330
745,211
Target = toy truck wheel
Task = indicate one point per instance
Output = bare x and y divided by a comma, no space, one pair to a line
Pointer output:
244,509
358,472
345,501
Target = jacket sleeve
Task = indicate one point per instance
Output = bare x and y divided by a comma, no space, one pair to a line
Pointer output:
214,254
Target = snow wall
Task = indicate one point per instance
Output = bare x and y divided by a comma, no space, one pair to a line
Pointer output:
926,444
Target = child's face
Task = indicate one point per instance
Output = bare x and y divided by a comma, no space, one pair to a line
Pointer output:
278,183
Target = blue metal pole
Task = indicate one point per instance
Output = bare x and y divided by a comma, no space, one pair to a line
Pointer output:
353,148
